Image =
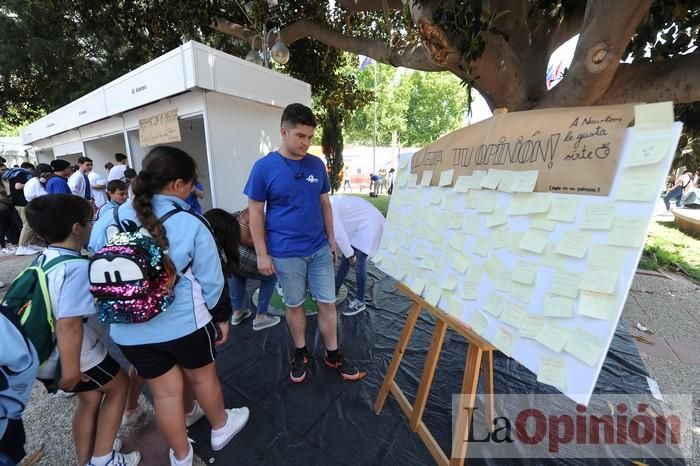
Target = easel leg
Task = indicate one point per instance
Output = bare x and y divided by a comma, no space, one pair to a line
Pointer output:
466,405
426,379
487,378
398,355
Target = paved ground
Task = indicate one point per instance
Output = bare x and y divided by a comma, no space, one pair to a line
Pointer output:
666,304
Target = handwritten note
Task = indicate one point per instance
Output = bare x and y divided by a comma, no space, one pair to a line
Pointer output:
161,128
462,184
455,307
504,341
564,209
600,280
496,304
585,346
525,272
432,295
638,184
513,315
648,152
492,178
598,216
478,322
525,181
417,286
530,325
480,246
558,306
500,237
540,223
628,231
552,371
507,180
471,224
554,336
449,283
436,196
486,202
498,217
530,203
493,266
566,283
446,177
574,243
454,221
460,263
597,305
534,241
427,178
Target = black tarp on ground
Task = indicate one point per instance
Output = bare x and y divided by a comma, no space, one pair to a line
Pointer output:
327,421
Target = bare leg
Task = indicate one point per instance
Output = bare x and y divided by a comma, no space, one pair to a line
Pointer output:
207,390
85,424
188,395
167,394
328,324
136,383
296,321
110,413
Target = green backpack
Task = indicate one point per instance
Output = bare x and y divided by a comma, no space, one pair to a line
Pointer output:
28,298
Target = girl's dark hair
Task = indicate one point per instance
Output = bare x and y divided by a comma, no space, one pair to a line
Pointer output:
227,233
161,165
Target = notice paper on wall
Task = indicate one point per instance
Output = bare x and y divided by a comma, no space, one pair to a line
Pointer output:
528,227
159,129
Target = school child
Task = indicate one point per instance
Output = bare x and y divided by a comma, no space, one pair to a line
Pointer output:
117,192
64,223
182,341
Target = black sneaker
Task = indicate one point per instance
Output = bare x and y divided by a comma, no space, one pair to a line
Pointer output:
299,362
346,370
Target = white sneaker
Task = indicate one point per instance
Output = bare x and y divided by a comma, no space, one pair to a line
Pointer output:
61,394
2,284
7,250
122,459
241,317
24,251
265,322
194,416
354,307
187,461
132,418
236,419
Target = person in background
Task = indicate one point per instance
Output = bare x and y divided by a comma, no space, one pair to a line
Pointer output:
682,182
391,177
358,228
36,186
57,184
79,182
98,186
194,197
7,230
117,171
117,192
27,235
346,179
376,184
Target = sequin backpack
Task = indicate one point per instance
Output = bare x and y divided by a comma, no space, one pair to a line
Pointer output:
127,276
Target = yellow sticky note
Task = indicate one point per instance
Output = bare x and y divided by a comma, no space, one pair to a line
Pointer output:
456,242
427,178
471,224
628,232
504,341
402,180
454,221
448,202
648,152
449,283
534,241
513,315
599,280
412,180
530,325
492,178
585,346
530,203
607,257
477,177
417,286
597,305
478,322
574,243
470,291
558,306
639,184
552,371
486,202
507,180
403,160
564,209
496,304
539,223
472,200
455,307
566,283
525,181
520,292
436,196
498,217
598,216
501,281
432,295
500,237
554,336
525,272
460,263
420,251
493,266
462,184
653,115
431,263
480,246
446,177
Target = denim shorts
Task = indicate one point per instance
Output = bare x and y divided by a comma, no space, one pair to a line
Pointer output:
314,272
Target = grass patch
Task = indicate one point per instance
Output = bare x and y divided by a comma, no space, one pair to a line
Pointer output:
381,202
668,248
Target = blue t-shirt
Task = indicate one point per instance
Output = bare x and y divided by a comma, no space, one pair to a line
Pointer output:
292,190
193,200
57,185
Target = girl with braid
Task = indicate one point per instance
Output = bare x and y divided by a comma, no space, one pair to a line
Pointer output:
181,342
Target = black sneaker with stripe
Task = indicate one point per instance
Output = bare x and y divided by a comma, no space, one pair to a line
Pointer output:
299,361
346,370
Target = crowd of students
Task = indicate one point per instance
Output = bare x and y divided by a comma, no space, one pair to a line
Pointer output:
290,233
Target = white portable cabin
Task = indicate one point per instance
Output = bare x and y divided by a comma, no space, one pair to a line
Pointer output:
228,114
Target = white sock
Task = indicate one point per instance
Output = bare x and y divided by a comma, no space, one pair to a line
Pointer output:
186,459
101,460
194,408
221,429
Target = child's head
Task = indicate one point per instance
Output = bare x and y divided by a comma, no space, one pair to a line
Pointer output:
227,233
117,191
59,217
120,158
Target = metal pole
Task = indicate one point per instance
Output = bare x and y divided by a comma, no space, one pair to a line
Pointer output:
374,136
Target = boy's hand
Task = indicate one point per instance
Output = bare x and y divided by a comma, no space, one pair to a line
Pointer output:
68,382
223,333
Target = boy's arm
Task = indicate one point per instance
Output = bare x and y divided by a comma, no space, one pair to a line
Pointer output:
69,336
328,222
256,214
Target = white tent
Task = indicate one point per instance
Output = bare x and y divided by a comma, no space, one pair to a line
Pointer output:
228,114
12,150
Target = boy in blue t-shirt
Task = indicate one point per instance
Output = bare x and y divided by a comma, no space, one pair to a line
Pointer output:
58,183
64,222
294,236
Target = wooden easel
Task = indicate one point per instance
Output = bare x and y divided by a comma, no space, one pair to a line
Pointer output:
479,351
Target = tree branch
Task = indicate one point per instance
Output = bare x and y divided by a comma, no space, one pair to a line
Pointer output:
409,56
369,5
607,29
674,79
